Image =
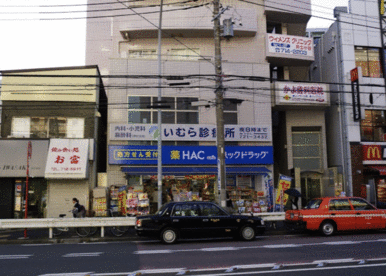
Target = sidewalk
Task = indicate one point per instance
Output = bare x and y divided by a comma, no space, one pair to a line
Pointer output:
41,235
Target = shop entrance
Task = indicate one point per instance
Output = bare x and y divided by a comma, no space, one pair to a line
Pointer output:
310,184
6,198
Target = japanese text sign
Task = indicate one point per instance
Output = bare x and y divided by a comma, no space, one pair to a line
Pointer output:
173,132
290,45
302,93
189,155
67,158
284,184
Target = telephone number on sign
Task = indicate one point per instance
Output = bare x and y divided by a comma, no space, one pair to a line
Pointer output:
288,51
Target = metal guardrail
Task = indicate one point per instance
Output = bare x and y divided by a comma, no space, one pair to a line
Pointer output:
102,222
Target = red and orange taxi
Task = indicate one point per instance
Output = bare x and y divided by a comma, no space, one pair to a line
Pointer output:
331,214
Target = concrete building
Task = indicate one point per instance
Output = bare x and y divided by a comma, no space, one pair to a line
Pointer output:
267,51
356,124
55,118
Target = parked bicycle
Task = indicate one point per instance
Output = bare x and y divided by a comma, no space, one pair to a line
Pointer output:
117,231
80,231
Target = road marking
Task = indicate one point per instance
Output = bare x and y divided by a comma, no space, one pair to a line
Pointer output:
270,246
14,257
87,254
37,244
70,274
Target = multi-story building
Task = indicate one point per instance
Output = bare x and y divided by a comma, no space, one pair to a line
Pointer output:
356,123
56,119
262,108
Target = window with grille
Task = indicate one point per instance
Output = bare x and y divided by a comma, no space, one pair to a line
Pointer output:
144,53
185,54
47,127
307,149
180,112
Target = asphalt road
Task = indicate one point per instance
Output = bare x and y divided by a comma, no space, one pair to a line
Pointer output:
344,254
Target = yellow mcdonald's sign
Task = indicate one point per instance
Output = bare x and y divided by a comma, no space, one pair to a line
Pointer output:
373,153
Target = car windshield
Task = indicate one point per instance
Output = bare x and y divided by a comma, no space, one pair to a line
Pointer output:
313,204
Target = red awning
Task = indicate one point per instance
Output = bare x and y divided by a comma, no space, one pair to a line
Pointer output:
381,169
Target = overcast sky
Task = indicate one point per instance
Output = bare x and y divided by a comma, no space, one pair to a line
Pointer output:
26,43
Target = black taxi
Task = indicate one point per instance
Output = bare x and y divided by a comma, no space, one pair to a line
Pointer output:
177,220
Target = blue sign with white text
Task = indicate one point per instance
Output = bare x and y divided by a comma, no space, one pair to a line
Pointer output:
189,155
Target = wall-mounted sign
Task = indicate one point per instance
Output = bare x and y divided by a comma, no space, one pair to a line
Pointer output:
290,45
189,155
302,93
13,158
356,100
374,154
67,158
173,132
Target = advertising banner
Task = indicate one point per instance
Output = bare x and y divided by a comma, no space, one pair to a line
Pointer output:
374,154
173,132
189,155
281,197
67,158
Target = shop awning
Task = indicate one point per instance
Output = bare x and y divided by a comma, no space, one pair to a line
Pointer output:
381,169
142,170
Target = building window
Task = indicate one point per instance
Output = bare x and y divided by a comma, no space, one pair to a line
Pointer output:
180,112
144,53
230,112
370,61
307,149
47,127
373,127
185,54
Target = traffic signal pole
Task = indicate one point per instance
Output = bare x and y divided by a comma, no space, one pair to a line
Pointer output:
221,175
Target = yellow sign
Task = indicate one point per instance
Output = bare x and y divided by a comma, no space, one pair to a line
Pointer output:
382,7
284,184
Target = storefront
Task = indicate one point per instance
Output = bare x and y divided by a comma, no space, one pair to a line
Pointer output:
374,168
190,173
13,175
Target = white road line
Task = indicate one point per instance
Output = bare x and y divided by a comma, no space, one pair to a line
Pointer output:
87,254
342,242
282,245
14,257
219,249
69,274
37,244
334,261
154,251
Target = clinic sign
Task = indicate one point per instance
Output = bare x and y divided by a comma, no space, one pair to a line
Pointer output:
191,132
288,93
374,154
290,45
189,155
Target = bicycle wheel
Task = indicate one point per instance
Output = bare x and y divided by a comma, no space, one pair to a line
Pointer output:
57,231
93,230
83,231
118,231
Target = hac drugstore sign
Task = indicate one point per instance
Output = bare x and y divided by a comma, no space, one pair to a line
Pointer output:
374,154
302,93
177,155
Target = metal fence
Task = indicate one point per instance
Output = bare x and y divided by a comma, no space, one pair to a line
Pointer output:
101,222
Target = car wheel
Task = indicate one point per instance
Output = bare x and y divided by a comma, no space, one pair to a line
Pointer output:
327,228
169,236
247,233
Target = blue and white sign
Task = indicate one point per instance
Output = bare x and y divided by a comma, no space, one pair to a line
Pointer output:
189,155
173,132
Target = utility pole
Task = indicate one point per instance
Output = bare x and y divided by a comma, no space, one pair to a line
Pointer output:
159,141
221,175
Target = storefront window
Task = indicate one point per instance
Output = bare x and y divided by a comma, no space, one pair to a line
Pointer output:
180,112
47,127
306,150
369,60
373,127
